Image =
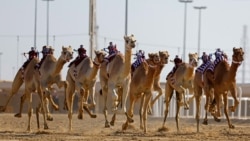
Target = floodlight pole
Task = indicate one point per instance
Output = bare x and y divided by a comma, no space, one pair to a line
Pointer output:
185,20
199,26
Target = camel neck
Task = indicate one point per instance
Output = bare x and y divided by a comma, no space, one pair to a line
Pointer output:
127,67
233,69
59,66
94,71
159,69
150,75
190,72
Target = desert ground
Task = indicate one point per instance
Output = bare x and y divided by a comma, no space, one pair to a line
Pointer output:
12,128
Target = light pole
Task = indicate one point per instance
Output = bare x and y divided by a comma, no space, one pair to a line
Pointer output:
126,17
199,26
35,23
185,20
47,35
1,65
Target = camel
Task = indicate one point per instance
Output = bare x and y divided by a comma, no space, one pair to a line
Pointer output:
16,84
84,83
203,86
115,76
180,81
156,85
223,80
32,84
141,86
50,73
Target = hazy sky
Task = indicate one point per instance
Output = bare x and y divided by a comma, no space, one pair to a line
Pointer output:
157,25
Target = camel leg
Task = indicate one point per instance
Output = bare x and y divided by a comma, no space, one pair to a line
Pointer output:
168,96
186,106
80,103
30,110
23,98
197,95
69,98
145,107
92,96
231,126
65,85
236,101
130,111
41,95
141,111
105,110
178,97
159,90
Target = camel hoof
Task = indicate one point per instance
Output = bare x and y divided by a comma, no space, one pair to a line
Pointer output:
231,126
130,119
112,123
18,115
163,129
93,116
205,122
56,108
80,116
124,126
49,118
107,125
150,110
46,127
232,108
216,119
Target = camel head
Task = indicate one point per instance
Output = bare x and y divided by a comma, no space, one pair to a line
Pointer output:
164,57
100,55
154,58
238,55
130,42
193,59
67,53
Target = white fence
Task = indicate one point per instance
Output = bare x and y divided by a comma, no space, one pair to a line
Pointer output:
242,111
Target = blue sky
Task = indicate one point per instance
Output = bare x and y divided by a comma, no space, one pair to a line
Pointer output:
157,24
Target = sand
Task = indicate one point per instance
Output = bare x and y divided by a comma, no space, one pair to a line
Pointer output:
12,128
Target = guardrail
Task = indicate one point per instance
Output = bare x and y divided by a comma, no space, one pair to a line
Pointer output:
242,111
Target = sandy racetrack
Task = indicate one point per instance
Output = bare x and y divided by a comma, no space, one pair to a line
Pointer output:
12,128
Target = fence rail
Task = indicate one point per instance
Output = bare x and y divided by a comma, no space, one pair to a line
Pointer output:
242,111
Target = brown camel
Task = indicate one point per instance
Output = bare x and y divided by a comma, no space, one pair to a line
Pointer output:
180,81
50,73
84,83
156,85
200,86
141,86
115,75
223,80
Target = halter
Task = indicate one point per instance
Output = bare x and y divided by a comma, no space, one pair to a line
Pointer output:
97,64
152,66
237,62
191,63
